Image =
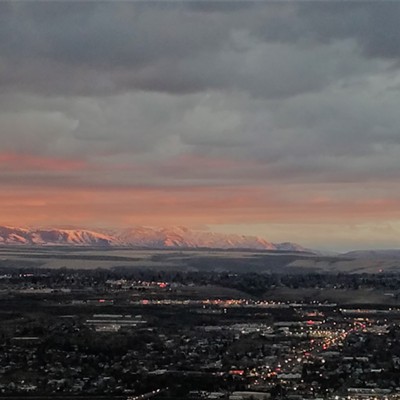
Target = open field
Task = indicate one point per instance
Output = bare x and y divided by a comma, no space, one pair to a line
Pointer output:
339,296
192,260
89,258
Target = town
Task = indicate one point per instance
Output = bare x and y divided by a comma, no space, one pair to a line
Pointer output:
145,334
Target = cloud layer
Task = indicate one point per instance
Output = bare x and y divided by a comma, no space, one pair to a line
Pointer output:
230,114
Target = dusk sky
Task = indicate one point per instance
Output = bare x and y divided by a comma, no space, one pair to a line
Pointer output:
278,119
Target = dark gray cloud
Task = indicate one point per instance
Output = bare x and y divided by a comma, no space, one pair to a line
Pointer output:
261,112
293,91
373,24
97,48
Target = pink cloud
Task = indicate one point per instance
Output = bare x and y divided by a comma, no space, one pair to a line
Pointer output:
21,162
96,206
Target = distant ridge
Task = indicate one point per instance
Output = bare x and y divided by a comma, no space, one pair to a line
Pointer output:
388,254
22,236
140,236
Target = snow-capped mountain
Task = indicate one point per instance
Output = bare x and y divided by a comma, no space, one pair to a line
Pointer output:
184,237
140,236
11,235
289,246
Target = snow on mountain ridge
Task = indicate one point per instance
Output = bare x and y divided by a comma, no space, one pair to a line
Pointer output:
141,236
10,235
183,237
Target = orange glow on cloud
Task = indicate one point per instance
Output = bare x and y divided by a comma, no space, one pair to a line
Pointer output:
171,206
188,190
21,162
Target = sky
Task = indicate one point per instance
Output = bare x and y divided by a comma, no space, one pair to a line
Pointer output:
279,119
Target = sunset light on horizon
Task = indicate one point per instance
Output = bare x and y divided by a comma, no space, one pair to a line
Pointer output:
279,120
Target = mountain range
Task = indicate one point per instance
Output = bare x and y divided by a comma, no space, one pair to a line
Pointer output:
139,236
